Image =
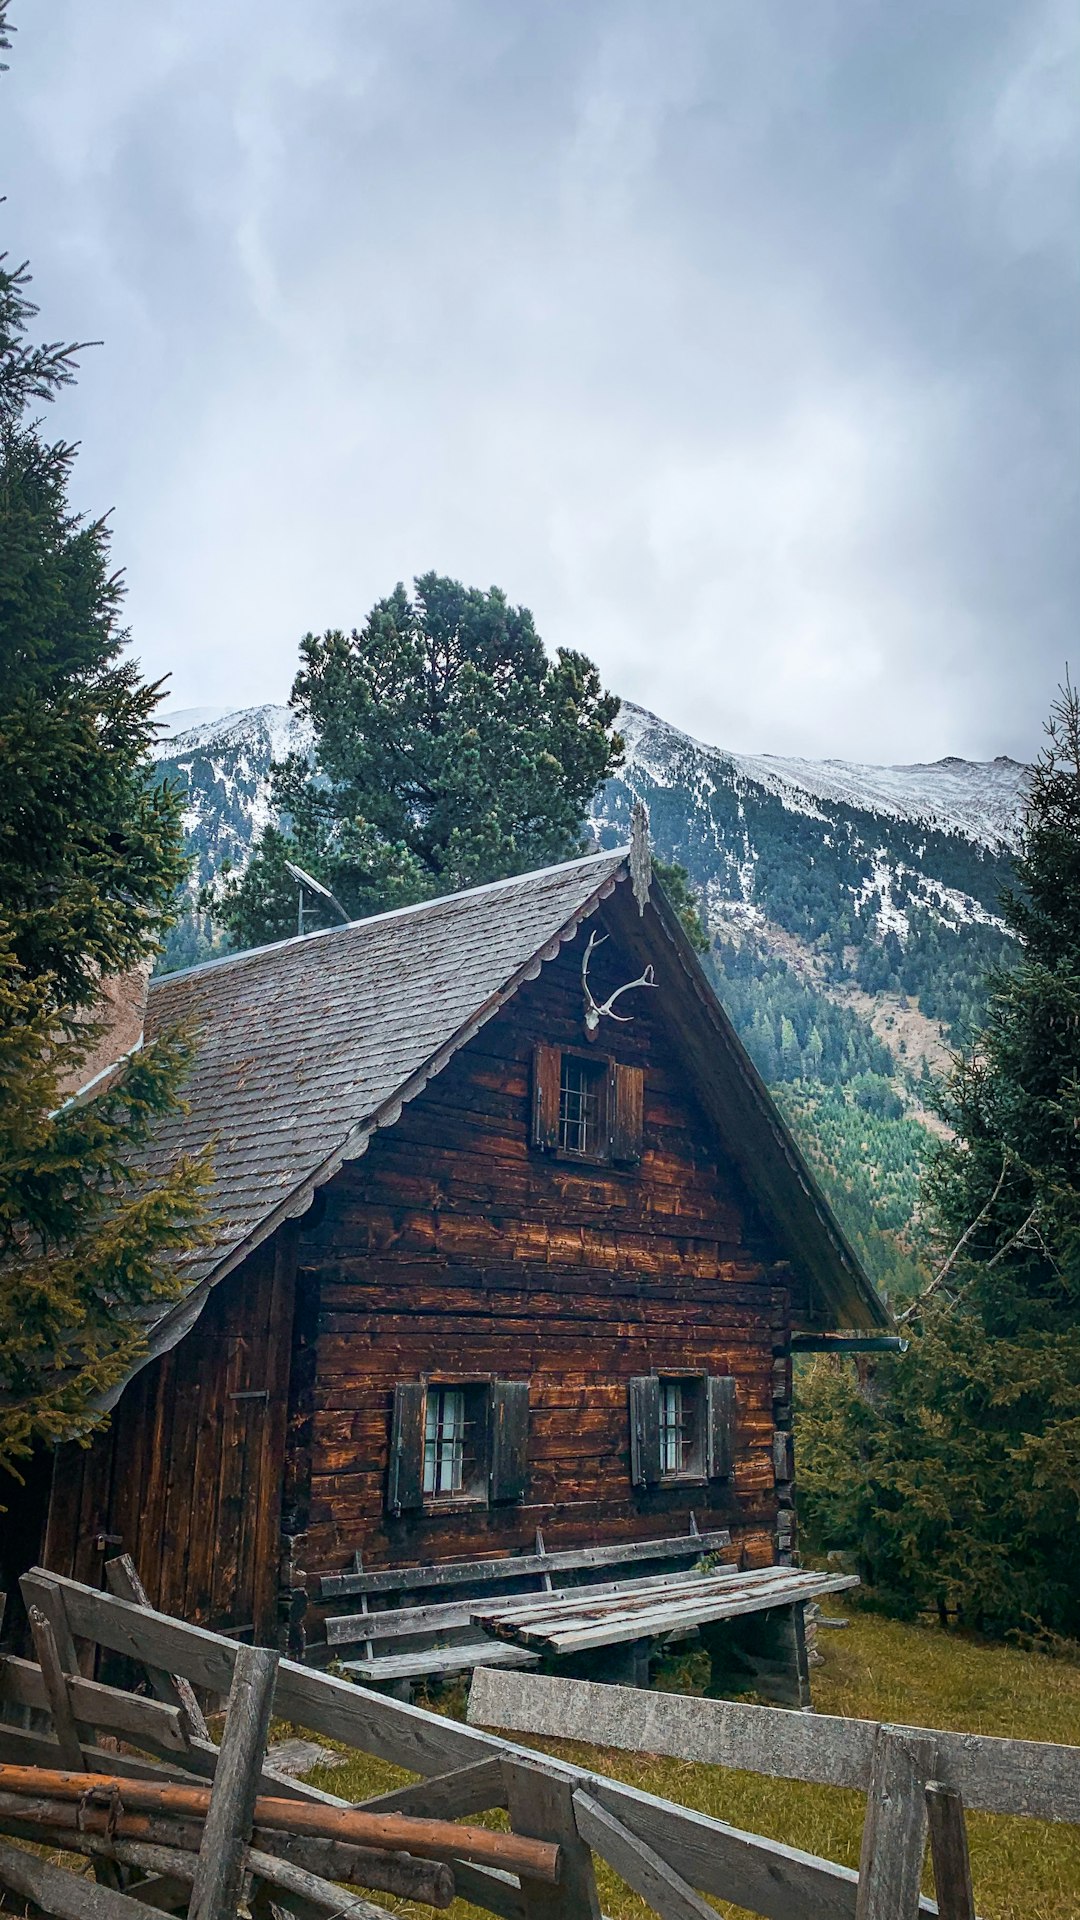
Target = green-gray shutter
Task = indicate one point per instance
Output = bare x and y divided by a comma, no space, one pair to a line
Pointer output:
645,1430
405,1481
509,1439
720,1425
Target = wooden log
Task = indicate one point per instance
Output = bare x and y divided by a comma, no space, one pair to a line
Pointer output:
949,1852
438,1839
123,1578
69,1896
894,1831
94,1705
541,1803
662,1889
995,1775
429,1881
230,1815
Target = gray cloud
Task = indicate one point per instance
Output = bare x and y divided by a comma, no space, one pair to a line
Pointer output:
739,341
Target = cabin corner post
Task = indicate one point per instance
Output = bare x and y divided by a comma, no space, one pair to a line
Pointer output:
296,1490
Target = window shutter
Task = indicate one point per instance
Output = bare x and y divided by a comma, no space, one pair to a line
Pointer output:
645,1430
627,1112
405,1482
509,1438
720,1425
547,1064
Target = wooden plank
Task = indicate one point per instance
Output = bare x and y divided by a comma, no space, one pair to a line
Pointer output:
230,1815
949,1852
123,1578
894,1831
95,1705
395,1623
447,1796
664,1890
582,1604
602,1627
486,1887
450,1573
70,1896
55,1685
993,1775
435,1660
542,1804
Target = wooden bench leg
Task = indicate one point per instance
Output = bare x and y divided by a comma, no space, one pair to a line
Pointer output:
766,1651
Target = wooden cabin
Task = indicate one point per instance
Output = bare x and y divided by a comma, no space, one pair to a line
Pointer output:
503,1243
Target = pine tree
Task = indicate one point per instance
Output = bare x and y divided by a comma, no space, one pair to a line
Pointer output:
955,1471
90,859
450,750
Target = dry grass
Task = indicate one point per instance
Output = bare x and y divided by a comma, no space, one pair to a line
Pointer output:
875,1669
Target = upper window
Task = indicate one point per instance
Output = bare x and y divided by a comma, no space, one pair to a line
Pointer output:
586,1106
583,1107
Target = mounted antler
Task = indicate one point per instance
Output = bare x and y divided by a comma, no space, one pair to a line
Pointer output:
594,1012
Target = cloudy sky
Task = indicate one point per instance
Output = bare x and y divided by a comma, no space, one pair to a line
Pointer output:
737,338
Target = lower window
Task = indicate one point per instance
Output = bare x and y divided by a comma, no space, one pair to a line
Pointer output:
682,1425
452,1417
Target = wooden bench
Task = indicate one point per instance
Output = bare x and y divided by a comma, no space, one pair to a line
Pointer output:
523,1609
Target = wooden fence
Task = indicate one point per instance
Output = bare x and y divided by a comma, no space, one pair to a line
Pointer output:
669,1854
917,1779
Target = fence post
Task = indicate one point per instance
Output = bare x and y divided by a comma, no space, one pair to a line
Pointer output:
894,1832
223,1853
949,1852
541,1804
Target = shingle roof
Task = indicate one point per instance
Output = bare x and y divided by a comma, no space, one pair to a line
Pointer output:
303,1046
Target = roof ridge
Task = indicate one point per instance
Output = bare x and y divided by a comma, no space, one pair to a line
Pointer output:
614,854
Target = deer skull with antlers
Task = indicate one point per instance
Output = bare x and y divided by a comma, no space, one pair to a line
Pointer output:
594,1012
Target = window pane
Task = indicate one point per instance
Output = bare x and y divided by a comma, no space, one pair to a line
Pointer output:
582,1103
444,1440
671,1427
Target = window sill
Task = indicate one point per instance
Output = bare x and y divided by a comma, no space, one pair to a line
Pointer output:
452,1502
684,1480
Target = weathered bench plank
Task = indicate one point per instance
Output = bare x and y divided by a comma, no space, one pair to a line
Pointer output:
449,1573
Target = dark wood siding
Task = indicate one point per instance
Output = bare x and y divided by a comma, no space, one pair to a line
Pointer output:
457,1247
187,1477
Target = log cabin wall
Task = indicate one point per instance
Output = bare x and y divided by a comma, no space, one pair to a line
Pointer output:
454,1249
187,1476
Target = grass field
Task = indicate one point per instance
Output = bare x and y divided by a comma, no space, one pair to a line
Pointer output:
874,1669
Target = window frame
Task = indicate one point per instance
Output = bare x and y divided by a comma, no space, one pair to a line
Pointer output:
695,1473
602,1069
476,1391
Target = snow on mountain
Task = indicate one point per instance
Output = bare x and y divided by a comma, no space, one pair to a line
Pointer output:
982,800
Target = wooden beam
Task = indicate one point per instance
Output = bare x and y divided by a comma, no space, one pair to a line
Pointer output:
949,1852
70,1896
230,1816
662,1889
123,1578
56,1693
446,1796
95,1705
894,1831
449,1573
994,1775
542,1804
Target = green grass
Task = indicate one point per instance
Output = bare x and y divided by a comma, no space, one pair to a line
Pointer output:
874,1669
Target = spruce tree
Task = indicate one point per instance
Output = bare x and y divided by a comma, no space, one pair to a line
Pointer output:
449,749
954,1471
90,859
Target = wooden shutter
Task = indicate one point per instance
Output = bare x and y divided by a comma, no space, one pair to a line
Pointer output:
783,1449
627,1111
720,1425
547,1072
405,1482
509,1438
645,1430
